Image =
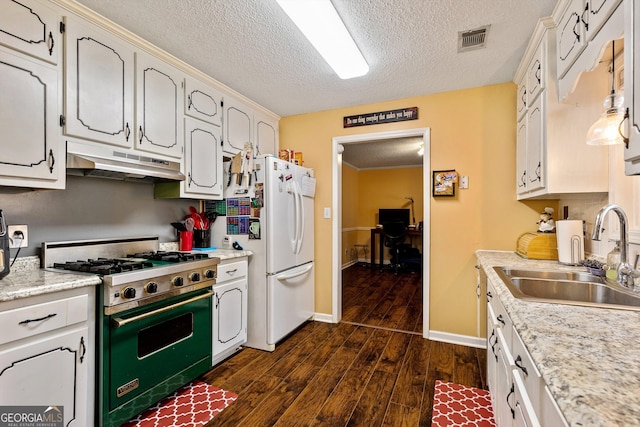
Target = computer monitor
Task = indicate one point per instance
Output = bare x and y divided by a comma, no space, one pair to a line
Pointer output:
394,215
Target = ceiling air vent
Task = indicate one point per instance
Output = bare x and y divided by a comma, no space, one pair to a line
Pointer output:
473,39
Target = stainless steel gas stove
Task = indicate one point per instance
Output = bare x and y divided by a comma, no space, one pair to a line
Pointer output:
134,272
153,322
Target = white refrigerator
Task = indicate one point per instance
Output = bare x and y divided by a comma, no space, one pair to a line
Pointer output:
280,235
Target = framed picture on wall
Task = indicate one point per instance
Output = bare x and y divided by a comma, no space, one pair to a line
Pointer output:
444,183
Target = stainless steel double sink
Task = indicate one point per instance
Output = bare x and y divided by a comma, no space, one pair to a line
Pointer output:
567,287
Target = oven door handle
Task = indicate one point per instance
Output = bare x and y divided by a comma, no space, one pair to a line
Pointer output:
119,322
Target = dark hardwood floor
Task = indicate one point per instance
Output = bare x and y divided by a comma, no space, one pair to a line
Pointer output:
349,374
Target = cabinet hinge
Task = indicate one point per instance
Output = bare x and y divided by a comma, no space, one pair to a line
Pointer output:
62,27
221,103
62,120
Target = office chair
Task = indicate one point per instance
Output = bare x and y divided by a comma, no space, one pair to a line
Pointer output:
394,235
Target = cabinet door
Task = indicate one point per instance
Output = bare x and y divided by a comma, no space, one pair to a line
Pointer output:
504,399
159,94
570,36
597,14
29,104
229,315
521,157
49,372
237,126
266,135
202,102
99,85
30,27
632,85
521,102
535,145
524,414
536,72
203,159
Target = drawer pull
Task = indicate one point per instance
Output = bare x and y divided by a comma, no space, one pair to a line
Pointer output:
518,363
500,319
83,348
231,272
48,316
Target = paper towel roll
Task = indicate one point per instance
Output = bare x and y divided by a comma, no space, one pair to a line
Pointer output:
570,241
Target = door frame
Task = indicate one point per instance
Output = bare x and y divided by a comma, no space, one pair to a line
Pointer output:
338,143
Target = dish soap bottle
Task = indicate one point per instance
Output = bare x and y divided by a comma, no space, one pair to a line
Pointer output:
613,261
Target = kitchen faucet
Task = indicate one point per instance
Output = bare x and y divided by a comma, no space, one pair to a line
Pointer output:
626,273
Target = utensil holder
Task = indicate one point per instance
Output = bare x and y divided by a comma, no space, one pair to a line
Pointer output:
186,240
201,238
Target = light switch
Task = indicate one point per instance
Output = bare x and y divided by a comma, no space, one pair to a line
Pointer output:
464,182
327,212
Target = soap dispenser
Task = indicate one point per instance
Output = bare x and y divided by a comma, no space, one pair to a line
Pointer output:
613,261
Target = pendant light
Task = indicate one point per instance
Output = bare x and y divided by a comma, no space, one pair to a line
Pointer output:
606,131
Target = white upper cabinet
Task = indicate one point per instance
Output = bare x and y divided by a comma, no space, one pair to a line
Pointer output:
598,11
202,164
266,129
98,84
243,124
632,85
32,27
159,95
583,29
202,102
552,157
536,73
570,35
237,127
31,150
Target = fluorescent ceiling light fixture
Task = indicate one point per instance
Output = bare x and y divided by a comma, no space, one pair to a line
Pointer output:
320,23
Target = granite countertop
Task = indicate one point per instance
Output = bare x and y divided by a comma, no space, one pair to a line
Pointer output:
27,279
589,357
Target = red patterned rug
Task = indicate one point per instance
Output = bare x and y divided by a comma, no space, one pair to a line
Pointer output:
458,405
193,405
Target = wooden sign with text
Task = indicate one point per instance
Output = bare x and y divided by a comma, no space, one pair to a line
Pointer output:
399,115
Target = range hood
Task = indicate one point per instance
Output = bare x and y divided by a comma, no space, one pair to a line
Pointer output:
120,164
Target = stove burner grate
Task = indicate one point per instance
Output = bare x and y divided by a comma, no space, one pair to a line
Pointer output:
169,256
103,266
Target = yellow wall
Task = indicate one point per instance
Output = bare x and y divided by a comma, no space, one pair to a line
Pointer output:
472,131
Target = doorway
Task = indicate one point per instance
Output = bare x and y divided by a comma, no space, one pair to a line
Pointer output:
337,147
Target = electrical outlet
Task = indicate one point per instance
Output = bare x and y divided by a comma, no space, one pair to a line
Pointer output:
15,240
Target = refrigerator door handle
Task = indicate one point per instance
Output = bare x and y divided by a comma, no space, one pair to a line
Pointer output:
297,274
300,221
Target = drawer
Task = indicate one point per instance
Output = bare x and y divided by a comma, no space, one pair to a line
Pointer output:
35,319
232,270
528,372
502,320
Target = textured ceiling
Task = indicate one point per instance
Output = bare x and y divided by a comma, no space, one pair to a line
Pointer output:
410,46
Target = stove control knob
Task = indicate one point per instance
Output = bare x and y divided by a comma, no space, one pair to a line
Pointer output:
210,274
177,281
194,277
128,293
151,288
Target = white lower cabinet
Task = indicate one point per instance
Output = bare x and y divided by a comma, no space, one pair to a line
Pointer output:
229,308
518,393
47,356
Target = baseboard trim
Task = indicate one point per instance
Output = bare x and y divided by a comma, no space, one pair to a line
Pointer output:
322,317
349,264
458,339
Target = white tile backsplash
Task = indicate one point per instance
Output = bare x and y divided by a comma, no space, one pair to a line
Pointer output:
585,208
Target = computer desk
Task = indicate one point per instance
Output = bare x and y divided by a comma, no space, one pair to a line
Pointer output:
411,232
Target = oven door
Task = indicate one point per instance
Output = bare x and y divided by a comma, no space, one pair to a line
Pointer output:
158,343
